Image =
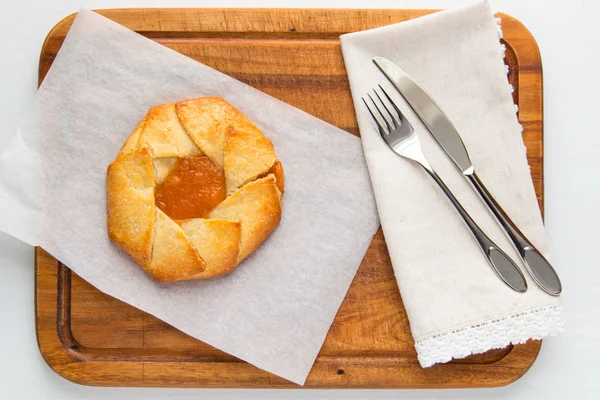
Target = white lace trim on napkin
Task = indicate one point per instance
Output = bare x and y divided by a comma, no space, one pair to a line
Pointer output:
494,334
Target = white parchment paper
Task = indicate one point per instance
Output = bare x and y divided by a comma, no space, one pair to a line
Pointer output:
275,309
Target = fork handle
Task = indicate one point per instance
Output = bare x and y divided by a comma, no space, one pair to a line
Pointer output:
536,264
501,263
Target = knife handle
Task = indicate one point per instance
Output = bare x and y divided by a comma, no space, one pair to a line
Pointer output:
501,263
536,264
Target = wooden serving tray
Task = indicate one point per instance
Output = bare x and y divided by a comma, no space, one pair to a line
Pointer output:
294,55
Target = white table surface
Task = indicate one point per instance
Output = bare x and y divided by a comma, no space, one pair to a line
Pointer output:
568,365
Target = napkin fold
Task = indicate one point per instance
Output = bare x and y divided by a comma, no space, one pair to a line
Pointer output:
275,309
455,303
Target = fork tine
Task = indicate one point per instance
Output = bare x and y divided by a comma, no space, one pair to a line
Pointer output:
395,123
387,124
400,115
381,128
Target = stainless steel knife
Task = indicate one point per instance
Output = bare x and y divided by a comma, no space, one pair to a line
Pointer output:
447,136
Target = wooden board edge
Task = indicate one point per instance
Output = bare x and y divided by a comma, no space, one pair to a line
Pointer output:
62,24
529,350
52,350
529,58
77,363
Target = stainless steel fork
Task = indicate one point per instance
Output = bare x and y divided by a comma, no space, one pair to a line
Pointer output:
400,136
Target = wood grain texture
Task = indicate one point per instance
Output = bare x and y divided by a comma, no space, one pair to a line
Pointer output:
294,55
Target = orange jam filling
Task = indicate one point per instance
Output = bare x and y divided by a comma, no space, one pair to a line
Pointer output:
193,188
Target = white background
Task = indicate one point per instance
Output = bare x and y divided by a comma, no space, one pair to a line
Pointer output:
568,365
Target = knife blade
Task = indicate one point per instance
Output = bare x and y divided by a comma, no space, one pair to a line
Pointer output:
429,112
446,135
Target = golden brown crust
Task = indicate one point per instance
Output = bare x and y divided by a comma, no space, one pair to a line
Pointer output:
257,206
196,248
164,135
173,256
248,155
278,172
130,203
196,115
217,243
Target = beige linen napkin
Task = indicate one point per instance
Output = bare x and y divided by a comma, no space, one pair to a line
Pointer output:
455,303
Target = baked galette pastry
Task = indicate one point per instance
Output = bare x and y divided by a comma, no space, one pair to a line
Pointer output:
195,189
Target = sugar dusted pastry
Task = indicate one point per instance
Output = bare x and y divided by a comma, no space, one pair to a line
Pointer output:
195,189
